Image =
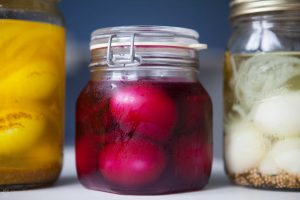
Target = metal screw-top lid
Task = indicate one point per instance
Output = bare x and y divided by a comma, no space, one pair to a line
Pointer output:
244,7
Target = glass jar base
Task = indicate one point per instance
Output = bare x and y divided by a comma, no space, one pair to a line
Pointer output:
22,179
144,192
15,187
173,187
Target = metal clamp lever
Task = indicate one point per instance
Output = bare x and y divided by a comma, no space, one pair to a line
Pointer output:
129,60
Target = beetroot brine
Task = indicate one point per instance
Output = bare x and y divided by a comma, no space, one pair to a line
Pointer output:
143,137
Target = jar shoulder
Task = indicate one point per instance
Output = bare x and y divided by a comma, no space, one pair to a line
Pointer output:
263,39
32,10
104,88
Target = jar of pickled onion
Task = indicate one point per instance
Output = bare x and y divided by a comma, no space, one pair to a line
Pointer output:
144,121
32,75
262,95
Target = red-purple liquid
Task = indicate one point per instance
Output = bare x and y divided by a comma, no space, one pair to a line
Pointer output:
143,137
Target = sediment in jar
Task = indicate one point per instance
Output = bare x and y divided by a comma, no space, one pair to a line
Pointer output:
253,177
10,177
262,132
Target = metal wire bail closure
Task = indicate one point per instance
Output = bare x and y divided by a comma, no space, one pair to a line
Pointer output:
126,60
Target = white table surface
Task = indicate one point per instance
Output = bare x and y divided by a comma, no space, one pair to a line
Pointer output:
68,188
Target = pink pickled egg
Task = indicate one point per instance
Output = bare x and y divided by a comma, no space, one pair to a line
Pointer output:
116,136
93,115
196,112
86,155
144,109
132,163
193,158
87,108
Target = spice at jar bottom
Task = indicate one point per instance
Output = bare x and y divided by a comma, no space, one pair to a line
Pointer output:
254,177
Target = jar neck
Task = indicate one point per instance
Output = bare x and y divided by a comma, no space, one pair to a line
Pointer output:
32,10
49,6
147,56
285,21
154,73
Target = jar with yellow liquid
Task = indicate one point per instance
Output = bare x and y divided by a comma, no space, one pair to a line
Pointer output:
262,95
32,84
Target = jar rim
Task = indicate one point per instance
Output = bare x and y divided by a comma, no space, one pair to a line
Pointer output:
147,28
245,7
146,35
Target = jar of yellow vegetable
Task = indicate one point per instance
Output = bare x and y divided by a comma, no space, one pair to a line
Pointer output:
262,94
32,84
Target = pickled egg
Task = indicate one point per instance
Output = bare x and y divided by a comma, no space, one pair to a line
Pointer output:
193,158
278,116
286,155
19,130
132,163
268,165
245,147
145,109
86,155
35,81
45,154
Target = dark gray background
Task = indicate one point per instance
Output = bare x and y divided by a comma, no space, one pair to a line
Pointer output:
208,17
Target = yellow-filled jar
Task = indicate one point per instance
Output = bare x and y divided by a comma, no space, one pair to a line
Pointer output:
32,85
